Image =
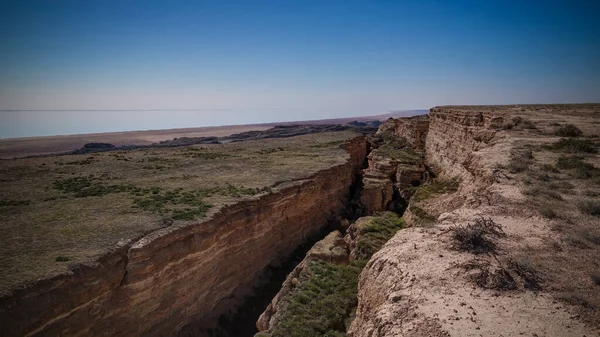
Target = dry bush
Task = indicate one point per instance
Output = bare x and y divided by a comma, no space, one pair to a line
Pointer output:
476,237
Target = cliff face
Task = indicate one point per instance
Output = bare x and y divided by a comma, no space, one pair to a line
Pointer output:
419,284
174,276
454,139
395,163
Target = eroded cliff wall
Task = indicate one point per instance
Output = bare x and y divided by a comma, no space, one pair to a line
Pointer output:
420,284
385,303
165,280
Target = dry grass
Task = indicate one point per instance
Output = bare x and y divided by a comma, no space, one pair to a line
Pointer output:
68,209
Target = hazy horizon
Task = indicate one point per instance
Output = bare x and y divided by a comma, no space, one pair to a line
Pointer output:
273,59
31,123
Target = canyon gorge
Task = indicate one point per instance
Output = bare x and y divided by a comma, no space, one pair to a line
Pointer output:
414,182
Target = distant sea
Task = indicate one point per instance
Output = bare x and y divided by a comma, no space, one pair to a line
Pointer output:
27,123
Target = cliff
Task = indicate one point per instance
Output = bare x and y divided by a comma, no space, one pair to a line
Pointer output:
172,277
423,282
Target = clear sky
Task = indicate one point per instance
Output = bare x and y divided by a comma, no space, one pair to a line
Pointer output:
289,60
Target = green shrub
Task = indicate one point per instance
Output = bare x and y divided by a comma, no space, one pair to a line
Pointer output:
568,130
573,145
591,207
422,216
377,233
13,203
549,168
547,211
435,187
90,186
322,301
61,259
582,169
405,155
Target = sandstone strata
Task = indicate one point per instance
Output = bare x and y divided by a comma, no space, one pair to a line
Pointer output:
157,284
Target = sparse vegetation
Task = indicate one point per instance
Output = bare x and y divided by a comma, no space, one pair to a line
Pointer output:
405,155
581,169
377,233
573,145
520,160
543,192
200,153
85,209
438,186
528,273
576,299
547,211
322,301
81,187
516,123
568,130
325,295
14,203
477,237
422,217
589,206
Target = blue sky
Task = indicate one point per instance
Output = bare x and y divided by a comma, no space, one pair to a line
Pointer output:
292,59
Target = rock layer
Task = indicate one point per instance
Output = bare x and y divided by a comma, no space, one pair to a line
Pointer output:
169,278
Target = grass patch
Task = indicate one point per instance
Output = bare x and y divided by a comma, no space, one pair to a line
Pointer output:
377,233
576,299
516,123
422,216
14,203
543,192
388,138
568,130
404,155
322,301
434,188
589,206
476,237
573,145
548,212
200,153
61,259
520,160
81,187
329,144
582,169
549,168
326,294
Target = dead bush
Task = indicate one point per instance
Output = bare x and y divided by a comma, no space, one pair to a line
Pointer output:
488,277
476,237
528,273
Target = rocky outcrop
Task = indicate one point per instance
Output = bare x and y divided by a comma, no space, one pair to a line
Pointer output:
156,285
395,163
413,129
